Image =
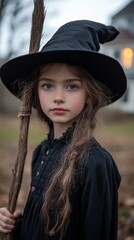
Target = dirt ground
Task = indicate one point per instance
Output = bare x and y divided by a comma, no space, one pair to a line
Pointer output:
121,146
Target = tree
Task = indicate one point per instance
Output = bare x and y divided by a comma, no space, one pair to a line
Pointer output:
14,18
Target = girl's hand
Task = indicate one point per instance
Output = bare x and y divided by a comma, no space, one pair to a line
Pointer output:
7,220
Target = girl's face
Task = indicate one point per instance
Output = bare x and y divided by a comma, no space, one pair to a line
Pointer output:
61,93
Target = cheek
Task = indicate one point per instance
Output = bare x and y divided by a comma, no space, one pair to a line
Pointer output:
78,104
43,100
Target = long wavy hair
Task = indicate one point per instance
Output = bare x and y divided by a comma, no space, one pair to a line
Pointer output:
57,195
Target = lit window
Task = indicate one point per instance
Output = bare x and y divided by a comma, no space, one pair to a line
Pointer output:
127,56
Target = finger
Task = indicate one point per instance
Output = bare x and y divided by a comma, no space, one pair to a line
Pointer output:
6,220
4,230
17,213
5,227
5,212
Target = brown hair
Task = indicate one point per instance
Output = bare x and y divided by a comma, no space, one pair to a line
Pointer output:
57,195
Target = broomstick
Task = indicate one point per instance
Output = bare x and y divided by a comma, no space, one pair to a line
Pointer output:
25,111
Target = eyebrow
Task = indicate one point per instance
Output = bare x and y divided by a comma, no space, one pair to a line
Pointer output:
66,80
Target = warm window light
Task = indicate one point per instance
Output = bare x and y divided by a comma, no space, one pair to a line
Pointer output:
127,57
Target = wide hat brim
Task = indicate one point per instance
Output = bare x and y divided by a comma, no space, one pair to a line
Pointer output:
102,67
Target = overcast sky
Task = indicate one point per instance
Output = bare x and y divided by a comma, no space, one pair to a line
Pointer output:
68,10
97,10
62,11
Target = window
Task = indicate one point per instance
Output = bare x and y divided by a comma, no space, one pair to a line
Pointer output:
127,56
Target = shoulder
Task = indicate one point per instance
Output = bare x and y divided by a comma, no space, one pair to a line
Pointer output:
99,163
97,156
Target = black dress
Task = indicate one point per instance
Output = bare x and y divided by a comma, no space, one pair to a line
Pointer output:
94,202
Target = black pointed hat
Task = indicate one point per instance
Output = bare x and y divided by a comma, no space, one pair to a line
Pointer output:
77,43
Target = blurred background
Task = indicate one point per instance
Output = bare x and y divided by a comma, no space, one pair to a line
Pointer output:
115,129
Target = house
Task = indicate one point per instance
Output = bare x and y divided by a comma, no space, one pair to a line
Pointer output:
122,48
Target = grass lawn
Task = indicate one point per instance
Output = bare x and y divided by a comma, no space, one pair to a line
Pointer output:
9,131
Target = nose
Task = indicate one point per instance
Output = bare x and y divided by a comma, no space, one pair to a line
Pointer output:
59,96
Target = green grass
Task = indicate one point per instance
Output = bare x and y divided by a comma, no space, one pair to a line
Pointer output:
35,136
124,212
37,133
123,127
8,135
12,134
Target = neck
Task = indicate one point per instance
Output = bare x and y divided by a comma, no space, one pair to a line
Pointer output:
59,129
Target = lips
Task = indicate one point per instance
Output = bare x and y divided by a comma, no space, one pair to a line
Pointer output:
59,110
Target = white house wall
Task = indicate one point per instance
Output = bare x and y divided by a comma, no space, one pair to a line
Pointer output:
110,49
128,106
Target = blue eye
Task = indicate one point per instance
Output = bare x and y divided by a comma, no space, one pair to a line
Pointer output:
72,87
47,86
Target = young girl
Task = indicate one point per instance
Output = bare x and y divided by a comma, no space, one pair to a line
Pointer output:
74,187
